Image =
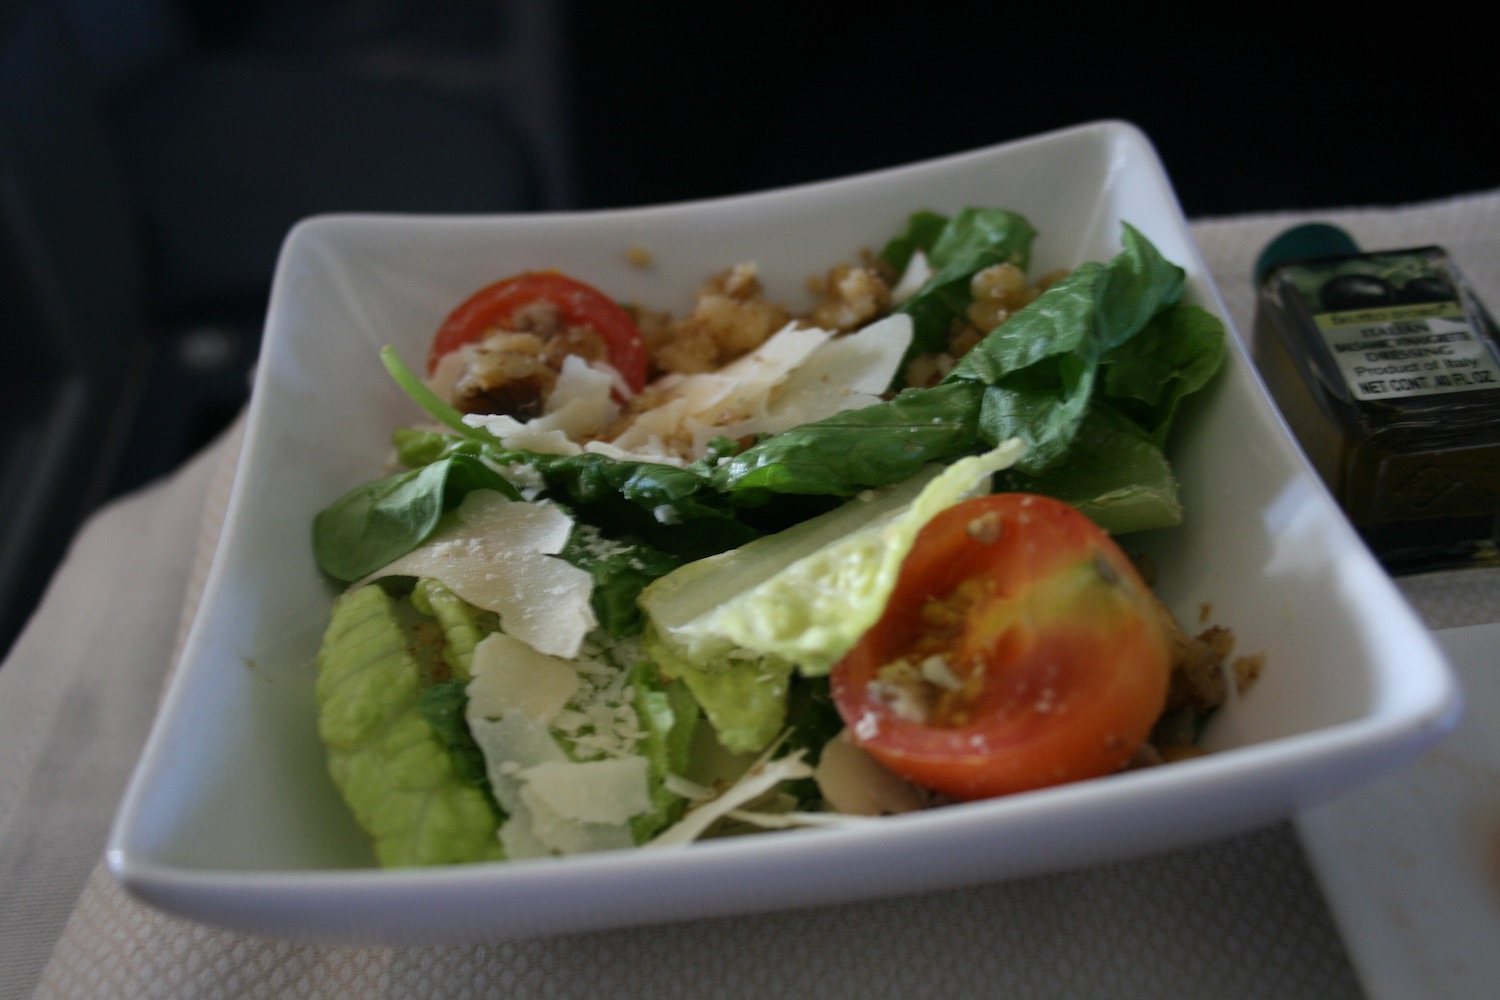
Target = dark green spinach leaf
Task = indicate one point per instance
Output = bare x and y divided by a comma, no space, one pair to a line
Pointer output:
858,449
620,570
972,239
383,520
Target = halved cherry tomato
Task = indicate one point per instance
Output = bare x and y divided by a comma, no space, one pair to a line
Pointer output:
1020,649
579,304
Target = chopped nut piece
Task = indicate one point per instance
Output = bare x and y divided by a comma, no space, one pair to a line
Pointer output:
731,319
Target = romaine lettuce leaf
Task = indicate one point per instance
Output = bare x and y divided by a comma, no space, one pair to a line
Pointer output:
743,698
669,717
1115,474
971,240
442,705
391,766
1148,376
1040,366
463,624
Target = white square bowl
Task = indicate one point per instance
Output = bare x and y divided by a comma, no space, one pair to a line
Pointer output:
231,819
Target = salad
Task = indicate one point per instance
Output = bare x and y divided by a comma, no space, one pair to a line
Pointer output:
647,579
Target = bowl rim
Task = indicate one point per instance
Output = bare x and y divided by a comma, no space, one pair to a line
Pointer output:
1386,736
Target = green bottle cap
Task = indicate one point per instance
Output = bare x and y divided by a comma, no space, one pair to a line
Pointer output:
1305,242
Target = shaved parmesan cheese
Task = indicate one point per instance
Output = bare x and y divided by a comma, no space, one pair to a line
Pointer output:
845,373
698,408
580,405
449,368
511,744
530,436
757,781
599,791
787,820
497,554
769,363
552,804
918,270
685,789
864,361
517,836
510,674
560,834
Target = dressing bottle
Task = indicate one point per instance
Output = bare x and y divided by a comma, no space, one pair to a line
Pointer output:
1387,368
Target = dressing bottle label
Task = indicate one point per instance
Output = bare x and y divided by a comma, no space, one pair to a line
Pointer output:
1394,325
1409,351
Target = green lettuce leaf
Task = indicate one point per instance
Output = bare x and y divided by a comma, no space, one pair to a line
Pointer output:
620,571
463,625
1041,365
1115,474
442,705
1173,357
669,717
392,767
859,449
923,229
744,699
971,240
812,720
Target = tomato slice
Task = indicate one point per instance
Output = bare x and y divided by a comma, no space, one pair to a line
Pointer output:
1019,649
579,304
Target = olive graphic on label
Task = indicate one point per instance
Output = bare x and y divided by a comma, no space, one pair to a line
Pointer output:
1429,288
1355,291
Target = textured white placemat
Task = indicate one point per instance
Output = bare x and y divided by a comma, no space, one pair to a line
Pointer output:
78,692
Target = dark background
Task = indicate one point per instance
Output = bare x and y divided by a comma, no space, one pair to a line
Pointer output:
1250,109
153,153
